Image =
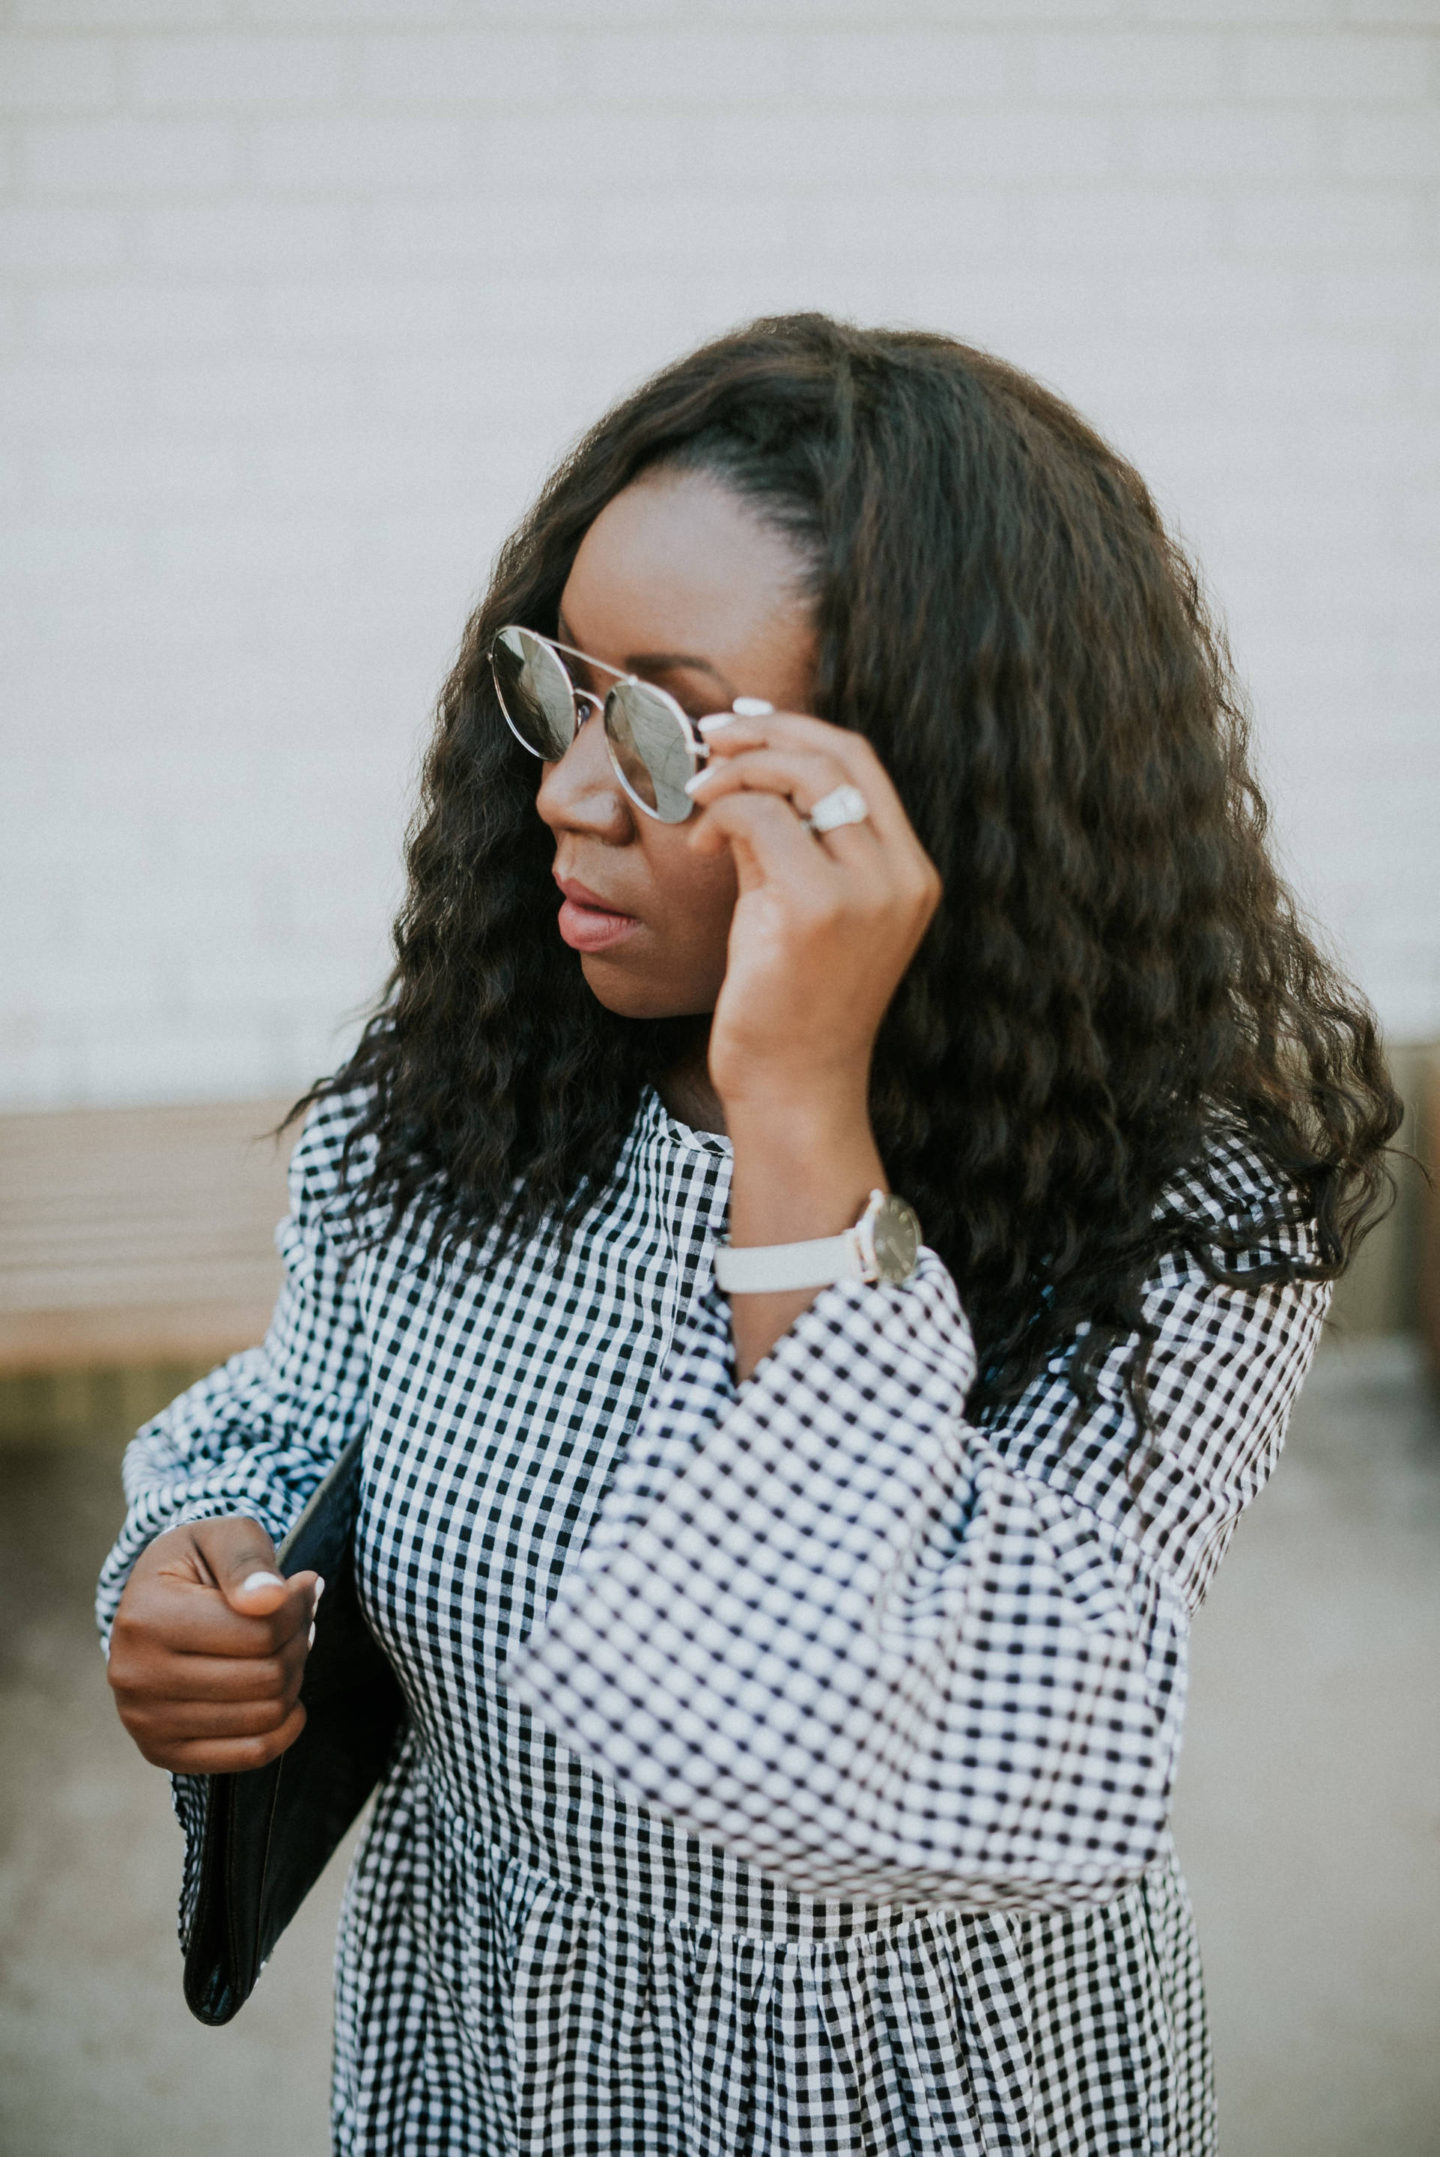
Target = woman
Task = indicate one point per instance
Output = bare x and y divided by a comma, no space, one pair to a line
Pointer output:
793,1639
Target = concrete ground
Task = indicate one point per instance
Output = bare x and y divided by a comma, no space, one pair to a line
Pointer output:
1308,1815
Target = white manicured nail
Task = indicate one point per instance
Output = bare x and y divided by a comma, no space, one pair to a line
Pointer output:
752,708
319,1590
713,722
259,1580
693,786
312,1635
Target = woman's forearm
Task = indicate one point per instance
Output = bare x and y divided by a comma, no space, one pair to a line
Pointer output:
802,1169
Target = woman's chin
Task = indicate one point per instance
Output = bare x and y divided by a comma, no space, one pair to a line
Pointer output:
627,992
619,989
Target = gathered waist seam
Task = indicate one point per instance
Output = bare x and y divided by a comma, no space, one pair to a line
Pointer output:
719,1895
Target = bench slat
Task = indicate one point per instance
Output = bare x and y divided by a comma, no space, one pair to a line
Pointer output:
135,1236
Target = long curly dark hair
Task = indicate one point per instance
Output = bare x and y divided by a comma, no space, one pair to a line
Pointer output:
1115,964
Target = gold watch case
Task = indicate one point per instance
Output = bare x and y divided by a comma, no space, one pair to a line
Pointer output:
890,1237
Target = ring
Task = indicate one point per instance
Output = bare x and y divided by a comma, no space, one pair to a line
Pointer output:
842,805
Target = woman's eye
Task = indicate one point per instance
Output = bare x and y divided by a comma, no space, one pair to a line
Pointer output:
586,706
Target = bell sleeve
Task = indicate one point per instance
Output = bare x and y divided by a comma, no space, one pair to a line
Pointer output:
889,1656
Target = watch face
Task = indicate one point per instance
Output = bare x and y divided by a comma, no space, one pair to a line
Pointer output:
896,1233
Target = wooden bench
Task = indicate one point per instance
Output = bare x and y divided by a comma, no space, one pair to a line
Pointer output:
138,1236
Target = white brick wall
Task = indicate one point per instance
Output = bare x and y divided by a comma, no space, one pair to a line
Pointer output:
301,296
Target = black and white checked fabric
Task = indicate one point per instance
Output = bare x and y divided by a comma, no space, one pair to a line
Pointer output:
788,1767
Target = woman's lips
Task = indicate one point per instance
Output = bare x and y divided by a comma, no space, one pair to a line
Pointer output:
586,924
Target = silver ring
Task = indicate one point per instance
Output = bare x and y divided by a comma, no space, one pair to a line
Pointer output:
842,805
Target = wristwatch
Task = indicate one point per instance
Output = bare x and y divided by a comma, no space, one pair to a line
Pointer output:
882,1246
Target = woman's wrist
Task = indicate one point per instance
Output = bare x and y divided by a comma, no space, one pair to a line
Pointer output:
803,1167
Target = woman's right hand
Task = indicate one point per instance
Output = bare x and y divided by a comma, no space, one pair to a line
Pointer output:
208,1649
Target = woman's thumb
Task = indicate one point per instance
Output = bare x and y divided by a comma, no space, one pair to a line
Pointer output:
242,1558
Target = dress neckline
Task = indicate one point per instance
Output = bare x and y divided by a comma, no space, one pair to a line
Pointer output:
684,1135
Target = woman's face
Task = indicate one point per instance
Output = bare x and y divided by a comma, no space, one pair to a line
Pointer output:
679,582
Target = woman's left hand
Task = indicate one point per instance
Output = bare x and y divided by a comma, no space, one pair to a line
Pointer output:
824,925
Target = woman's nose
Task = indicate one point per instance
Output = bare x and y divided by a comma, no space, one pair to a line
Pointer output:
580,792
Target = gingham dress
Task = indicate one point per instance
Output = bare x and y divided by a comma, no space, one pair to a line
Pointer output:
787,1768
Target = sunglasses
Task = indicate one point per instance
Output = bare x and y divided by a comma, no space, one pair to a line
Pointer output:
654,745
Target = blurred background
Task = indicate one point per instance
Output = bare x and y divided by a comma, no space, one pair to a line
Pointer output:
300,300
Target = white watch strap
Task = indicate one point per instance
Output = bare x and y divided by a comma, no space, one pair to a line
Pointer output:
765,1268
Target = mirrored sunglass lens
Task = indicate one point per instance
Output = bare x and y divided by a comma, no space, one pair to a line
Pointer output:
534,691
650,744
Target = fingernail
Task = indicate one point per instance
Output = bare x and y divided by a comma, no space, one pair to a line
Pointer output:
713,722
693,786
311,1641
260,1580
319,1589
752,708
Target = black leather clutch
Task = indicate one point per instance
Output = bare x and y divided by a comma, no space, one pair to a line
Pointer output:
267,1835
